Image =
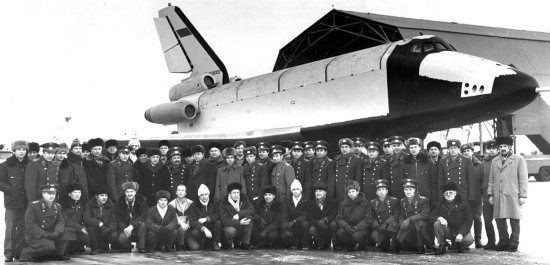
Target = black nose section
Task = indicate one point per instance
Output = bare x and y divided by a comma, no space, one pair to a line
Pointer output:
515,91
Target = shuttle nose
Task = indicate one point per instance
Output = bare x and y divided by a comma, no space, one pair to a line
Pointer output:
515,90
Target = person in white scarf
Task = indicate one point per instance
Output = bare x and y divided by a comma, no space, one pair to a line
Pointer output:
236,212
181,204
295,226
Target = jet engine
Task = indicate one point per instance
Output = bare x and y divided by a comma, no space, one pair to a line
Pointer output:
192,85
173,112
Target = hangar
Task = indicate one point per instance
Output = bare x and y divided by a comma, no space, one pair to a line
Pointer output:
339,32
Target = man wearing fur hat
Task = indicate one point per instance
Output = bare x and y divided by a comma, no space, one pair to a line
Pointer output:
374,168
44,225
41,172
452,219
85,150
353,219
384,211
267,220
152,176
201,172
111,147
72,171
239,154
320,213
282,175
34,148
141,155
204,221
294,221
181,204
434,152
236,214
215,150
414,209
299,164
75,231
418,166
347,167
492,152
255,174
475,183
131,210
229,173
119,171
507,192
12,185
101,221
135,144
164,146
162,224
319,168
456,168
95,166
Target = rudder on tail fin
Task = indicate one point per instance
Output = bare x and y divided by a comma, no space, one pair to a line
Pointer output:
184,48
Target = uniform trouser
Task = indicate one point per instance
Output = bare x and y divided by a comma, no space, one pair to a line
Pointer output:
488,220
244,232
382,238
321,236
413,236
100,239
476,213
261,237
155,239
511,240
442,233
37,248
197,240
349,239
296,235
333,230
138,235
14,238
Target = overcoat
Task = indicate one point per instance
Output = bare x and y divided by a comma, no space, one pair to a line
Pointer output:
507,183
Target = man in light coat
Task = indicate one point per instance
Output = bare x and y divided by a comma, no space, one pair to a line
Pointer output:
507,191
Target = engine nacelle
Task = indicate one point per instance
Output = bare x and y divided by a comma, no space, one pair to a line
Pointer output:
192,85
173,112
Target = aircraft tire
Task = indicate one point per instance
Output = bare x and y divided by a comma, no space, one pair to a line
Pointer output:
544,174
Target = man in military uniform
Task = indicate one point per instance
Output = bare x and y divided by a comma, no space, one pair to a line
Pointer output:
319,168
263,156
309,150
414,209
374,168
164,146
239,148
385,217
456,168
201,172
111,147
176,169
358,147
347,167
12,180
282,175
119,171
215,150
74,172
386,146
395,164
44,222
299,164
41,172
255,174
475,184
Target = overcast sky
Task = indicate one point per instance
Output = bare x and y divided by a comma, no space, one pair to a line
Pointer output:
101,63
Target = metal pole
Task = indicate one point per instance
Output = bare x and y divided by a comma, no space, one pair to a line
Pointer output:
480,139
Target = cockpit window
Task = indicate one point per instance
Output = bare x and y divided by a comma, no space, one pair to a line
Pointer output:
416,48
440,46
428,47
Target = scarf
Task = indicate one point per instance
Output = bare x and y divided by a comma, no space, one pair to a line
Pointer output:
162,212
235,204
296,200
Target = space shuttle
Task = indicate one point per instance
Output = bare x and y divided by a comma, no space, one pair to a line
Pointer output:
409,87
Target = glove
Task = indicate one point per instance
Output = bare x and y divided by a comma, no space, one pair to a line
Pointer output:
105,229
48,236
55,234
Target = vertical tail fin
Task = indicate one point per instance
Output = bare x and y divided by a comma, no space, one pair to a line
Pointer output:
184,48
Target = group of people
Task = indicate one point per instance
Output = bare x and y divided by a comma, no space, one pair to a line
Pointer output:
391,195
